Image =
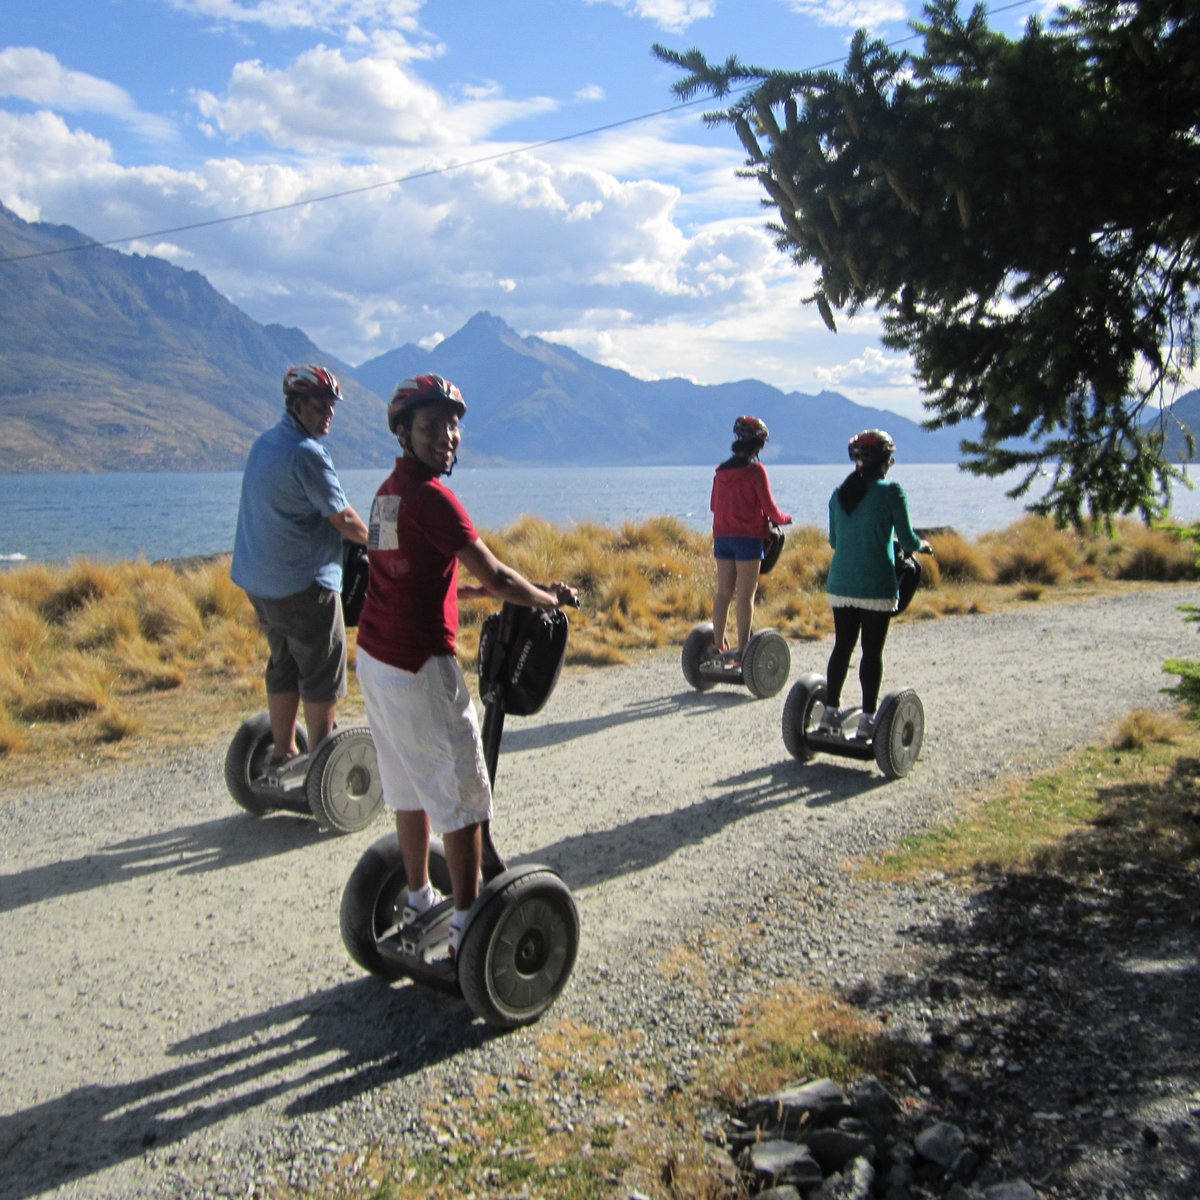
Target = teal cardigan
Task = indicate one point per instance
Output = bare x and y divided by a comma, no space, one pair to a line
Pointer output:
863,566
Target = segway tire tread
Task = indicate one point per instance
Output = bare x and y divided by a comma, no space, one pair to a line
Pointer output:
797,712
694,647
766,664
518,952
374,898
342,787
247,758
899,732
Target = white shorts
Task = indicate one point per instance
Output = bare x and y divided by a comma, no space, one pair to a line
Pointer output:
427,741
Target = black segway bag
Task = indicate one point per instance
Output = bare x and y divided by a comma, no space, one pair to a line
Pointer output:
354,581
772,550
521,652
908,576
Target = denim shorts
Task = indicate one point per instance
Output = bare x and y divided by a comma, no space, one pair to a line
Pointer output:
738,549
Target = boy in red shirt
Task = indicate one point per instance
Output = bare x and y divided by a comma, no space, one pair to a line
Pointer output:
422,720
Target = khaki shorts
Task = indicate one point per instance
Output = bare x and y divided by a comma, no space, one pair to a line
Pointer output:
427,741
307,640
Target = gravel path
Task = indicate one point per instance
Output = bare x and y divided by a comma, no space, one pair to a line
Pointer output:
181,1019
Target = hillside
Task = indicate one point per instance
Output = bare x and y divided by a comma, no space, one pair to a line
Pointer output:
118,362
123,362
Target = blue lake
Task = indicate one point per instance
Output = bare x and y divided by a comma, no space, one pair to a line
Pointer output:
54,518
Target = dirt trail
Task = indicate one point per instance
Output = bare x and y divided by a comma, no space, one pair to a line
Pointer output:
177,1001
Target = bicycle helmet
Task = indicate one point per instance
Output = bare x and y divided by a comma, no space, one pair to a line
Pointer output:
872,448
750,429
419,391
301,383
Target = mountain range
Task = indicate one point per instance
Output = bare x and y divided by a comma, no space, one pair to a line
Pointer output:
119,362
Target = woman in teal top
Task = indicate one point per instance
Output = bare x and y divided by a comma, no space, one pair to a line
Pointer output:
865,514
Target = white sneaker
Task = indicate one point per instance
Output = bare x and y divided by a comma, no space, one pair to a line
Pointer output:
866,726
410,914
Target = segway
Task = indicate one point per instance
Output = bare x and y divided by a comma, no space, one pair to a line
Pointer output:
338,783
766,662
518,946
899,730
895,743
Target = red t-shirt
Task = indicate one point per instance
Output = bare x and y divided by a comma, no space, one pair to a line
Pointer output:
418,526
742,503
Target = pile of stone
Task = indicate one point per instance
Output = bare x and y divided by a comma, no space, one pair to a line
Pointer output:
815,1141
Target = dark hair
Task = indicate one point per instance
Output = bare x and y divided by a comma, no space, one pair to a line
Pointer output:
854,487
748,447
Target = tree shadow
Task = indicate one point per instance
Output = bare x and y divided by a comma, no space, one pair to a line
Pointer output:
321,1051
1062,1014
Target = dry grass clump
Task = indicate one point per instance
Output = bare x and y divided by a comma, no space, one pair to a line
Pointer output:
1154,554
1032,550
75,640
95,651
958,561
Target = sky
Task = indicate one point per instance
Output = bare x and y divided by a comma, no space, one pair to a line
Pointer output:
521,157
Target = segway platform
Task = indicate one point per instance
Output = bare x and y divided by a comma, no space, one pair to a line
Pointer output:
518,946
764,669
895,743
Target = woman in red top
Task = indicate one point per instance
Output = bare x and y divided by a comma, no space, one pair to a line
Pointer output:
422,720
743,510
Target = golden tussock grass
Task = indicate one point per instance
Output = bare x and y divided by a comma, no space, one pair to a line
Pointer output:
84,647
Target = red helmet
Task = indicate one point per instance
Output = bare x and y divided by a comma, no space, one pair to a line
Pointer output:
421,390
750,429
302,382
872,447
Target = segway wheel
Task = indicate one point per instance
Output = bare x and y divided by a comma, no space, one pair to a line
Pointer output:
802,710
342,785
698,642
247,759
373,901
899,731
766,664
518,952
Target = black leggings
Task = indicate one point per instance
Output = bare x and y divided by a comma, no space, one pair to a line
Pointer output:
847,623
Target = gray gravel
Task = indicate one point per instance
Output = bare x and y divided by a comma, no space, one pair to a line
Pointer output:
181,1019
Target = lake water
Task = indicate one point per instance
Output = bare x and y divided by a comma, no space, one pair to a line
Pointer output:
54,518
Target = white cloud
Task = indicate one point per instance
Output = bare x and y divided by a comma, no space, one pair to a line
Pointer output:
325,100
36,77
850,14
347,15
672,15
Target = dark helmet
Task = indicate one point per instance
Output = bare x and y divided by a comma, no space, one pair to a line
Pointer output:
419,391
872,448
300,383
750,429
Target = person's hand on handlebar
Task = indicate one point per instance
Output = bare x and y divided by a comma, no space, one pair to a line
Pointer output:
567,597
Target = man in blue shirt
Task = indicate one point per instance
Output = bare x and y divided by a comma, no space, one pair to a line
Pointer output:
287,556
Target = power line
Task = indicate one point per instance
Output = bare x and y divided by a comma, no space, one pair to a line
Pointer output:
430,173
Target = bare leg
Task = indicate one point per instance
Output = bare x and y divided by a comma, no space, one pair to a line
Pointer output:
412,831
318,720
747,586
464,853
726,579
283,707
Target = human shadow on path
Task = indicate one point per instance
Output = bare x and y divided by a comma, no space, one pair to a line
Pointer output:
595,856
319,1051
228,841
